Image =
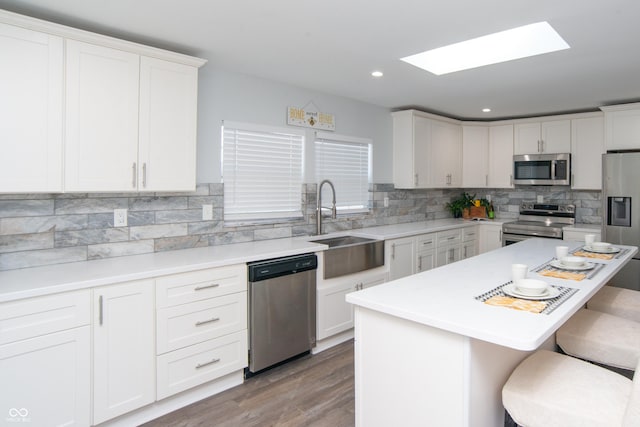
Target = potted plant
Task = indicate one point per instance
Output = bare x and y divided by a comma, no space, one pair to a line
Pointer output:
457,206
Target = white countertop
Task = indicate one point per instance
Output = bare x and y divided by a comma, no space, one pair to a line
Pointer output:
38,281
444,297
585,228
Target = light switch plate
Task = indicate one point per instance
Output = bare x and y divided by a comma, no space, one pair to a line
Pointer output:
207,212
119,217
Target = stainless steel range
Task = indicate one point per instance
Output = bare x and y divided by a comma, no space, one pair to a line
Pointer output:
538,220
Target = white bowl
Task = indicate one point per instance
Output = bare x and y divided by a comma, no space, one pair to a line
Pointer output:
572,261
530,286
601,245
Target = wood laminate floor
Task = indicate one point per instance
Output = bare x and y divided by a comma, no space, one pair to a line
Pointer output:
314,391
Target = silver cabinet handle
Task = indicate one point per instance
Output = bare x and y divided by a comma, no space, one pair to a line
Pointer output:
464,255
133,182
486,180
212,285
510,179
451,238
420,263
415,179
500,236
100,310
211,362
204,322
393,251
144,175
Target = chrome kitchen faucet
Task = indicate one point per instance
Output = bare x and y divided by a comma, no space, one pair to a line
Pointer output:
319,206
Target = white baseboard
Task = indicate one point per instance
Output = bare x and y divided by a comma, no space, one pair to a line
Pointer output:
332,341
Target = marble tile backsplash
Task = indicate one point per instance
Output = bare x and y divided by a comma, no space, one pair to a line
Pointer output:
43,229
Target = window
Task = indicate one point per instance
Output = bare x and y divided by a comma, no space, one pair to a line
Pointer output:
262,172
346,161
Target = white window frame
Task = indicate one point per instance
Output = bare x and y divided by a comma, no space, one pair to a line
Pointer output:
362,204
240,204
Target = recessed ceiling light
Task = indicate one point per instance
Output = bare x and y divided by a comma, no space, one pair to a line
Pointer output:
486,110
521,42
377,73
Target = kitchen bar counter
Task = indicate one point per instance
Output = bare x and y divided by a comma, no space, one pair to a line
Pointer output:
429,353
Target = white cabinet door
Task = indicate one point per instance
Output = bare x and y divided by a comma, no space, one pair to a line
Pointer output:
490,237
556,136
527,138
400,257
587,147
425,261
475,156
411,150
46,380
123,349
468,250
448,254
501,156
579,235
622,127
101,144
167,138
446,156
335,315
31,83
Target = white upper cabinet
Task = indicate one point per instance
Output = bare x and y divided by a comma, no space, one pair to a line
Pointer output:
31,110
587,147
475,156
542,137
101,118
622,127
90,113
427,152
167,137
501,156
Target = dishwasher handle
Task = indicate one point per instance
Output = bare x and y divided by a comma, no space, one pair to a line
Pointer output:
272,268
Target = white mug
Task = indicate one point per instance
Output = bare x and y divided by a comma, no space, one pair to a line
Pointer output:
562,251
518,272
589,239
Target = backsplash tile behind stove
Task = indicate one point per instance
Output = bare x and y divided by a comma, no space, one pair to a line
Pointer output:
42,229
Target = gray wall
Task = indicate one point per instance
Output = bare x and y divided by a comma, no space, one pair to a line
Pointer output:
231,96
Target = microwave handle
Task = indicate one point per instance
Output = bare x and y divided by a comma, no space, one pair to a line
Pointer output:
553,169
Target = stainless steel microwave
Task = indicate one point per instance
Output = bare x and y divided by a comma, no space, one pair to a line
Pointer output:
542,169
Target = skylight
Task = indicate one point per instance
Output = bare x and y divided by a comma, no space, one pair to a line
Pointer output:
529,40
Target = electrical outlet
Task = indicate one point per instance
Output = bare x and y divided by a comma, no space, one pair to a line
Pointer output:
386,202
539,199
119,217
207,212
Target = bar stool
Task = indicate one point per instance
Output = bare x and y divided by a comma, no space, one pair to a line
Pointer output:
601,338
617,301
549,389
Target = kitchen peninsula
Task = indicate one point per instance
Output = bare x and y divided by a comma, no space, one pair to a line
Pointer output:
428,351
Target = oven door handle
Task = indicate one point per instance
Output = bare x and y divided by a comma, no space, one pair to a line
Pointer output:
554,163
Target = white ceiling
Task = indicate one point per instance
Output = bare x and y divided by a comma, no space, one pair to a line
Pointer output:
332,46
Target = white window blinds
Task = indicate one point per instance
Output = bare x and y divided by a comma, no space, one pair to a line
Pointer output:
262,172
346,161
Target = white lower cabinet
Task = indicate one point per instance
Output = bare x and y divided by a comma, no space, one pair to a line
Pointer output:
45,360
188,367
334,314
490,237
578,235
201,330
425,252
400,256
123,349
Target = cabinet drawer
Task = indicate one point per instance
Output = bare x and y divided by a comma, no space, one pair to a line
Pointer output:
448,237
199,363
425,242
188,324
33,317
198,285
469,234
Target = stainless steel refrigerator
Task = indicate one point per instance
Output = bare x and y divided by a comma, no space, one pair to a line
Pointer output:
621,202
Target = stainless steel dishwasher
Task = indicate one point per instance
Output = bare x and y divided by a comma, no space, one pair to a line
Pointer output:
282,309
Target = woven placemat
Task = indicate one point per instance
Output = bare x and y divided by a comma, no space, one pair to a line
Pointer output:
589,274
552,304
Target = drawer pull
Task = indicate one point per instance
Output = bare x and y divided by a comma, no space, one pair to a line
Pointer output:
204,322
452,237
211,362
213,285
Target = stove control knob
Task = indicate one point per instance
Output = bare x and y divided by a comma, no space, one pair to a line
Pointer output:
561,208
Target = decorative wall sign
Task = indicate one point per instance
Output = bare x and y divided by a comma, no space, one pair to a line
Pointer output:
309,116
